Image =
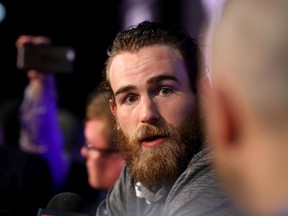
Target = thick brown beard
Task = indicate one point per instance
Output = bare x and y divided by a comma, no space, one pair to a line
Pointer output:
162,164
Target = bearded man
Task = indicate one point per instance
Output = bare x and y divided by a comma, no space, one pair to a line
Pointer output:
152,72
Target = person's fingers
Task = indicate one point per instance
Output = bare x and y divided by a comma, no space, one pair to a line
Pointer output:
34,40
41,40
23,39
30,39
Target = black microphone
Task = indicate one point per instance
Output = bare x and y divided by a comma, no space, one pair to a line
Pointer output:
65,204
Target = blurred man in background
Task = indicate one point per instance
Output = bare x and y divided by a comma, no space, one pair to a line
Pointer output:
103,160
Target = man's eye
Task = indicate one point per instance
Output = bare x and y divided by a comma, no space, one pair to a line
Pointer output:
165,91
130,99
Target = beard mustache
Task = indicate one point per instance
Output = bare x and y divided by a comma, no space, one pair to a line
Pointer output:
164,163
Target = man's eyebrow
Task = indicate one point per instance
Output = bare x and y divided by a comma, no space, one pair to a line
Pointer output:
155,79
160,78
124,89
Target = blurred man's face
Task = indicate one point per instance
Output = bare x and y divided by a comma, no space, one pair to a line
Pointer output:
103,164
156,111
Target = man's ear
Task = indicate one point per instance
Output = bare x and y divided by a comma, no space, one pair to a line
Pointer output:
221,121
113,107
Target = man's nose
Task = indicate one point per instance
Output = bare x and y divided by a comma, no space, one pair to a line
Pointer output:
149,111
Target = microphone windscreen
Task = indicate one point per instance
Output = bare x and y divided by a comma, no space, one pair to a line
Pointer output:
69,202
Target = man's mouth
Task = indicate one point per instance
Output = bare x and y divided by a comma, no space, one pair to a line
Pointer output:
153,141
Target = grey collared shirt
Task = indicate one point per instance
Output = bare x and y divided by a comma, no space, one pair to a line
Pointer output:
196,192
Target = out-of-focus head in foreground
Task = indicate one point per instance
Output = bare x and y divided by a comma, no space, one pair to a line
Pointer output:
247,106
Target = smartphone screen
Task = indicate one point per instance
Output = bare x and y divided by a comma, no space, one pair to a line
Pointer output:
46,58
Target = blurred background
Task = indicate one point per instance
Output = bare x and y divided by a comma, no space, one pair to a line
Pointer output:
87,26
